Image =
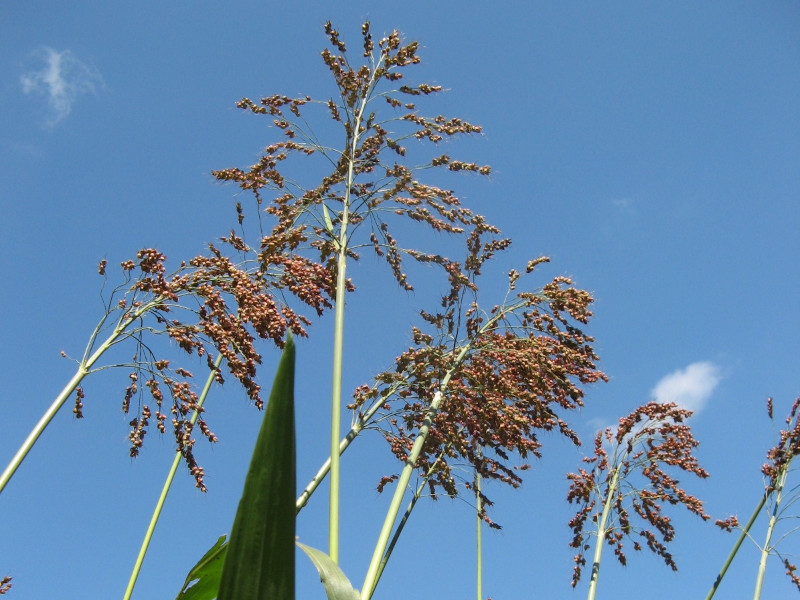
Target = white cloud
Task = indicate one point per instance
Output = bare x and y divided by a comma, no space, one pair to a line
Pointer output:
62,80
690,388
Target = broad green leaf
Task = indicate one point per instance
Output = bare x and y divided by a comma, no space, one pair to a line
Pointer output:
260,559
337,585
204,576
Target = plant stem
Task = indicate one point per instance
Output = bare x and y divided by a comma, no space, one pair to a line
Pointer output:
362,422
170,476
736,546
773,519
371,579
338,333
83,370
601,532
406,515
478,539
336,394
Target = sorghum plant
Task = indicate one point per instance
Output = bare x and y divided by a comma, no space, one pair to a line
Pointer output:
211,305
368,180
627,477
481,386
776,470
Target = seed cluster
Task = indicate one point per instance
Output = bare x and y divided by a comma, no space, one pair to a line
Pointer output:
230,302
779,460
652,437
504,374
786,449
367,185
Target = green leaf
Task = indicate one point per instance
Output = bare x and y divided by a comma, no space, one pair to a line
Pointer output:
260,558
204,576
337,585
328,222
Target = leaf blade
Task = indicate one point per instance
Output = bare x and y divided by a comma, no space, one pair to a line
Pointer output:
260,556
337,585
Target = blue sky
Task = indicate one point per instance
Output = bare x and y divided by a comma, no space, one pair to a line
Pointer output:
652,150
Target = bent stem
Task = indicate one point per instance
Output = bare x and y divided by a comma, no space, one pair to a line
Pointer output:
773,519
737,545
83,369
170,476
601,533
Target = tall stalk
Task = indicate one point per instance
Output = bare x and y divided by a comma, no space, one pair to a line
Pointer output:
167,484
338,334
773,519
87,362
737,545
601,533
479,565
394,508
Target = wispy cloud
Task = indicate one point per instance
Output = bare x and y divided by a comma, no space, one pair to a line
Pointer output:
690,388
62,79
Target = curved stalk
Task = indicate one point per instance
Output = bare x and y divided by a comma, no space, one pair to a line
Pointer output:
601,533
170,476
404,520
83,369
394,508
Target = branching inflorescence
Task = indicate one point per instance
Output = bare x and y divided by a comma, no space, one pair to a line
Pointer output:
368,181
628,477
212,305
491,379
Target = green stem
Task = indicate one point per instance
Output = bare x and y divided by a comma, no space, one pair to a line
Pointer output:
404,519
478,539
362,422
170,476
336,394
338,334
394,508
601,532
736,546
773,519
83,370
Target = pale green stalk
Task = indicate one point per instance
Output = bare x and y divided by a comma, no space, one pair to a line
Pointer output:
773,519
338,336
736,546
404,520
478,539
83,369
170,476
601,532
359,426
394,508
